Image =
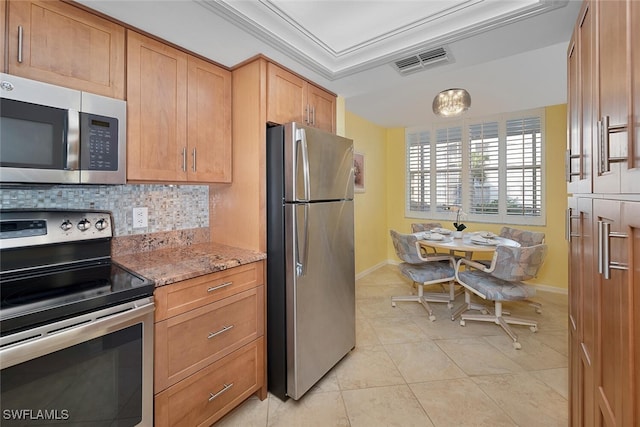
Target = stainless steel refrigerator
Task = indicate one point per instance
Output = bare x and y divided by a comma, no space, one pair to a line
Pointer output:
310,256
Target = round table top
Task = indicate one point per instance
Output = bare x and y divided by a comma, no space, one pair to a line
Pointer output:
470,242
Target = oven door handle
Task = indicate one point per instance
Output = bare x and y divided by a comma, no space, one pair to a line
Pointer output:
37,342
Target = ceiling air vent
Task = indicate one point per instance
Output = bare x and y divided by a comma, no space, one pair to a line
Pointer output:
422,60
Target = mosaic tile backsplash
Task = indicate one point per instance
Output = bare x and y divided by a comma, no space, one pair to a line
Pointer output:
170,207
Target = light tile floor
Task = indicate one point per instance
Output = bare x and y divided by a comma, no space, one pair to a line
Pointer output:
408,371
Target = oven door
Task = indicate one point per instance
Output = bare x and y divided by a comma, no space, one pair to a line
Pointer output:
40,132
95,369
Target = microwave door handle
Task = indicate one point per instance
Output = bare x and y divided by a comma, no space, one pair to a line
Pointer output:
73,140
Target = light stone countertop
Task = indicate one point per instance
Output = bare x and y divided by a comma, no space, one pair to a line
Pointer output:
170,265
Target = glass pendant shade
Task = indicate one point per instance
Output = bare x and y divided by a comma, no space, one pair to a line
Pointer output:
451,102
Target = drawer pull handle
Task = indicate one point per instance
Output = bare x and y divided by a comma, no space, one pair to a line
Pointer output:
215,288
225,388
224,329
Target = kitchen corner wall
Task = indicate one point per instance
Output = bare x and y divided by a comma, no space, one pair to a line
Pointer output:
170,207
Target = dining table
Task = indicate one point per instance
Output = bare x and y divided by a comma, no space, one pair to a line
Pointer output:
467,243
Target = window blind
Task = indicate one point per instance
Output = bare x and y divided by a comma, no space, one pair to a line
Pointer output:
448,171
492,168
484,164
523,164
419,171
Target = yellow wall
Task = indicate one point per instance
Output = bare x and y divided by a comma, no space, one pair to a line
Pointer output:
371,229
381,207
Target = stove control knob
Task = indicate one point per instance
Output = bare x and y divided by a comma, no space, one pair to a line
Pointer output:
101,224
84,225
66,225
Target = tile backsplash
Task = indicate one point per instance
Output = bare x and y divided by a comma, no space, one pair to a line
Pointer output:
170,207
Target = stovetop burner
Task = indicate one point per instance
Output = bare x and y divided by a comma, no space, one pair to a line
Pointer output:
52,270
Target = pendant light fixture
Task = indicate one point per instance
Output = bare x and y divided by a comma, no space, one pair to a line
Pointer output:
451,102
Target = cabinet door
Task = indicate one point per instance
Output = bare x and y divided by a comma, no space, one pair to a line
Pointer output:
3,33
582,320
630,178
156,110
631,220
322,105
286,97
612,95
614,369
580,100
209,115
67,46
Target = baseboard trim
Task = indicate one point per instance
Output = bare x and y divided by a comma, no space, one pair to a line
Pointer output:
372,269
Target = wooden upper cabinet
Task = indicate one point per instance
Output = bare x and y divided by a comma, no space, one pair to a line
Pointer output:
209,122
631,184
611,110
323,108
179,115
291,98
58,43
3,33
286,96
156,110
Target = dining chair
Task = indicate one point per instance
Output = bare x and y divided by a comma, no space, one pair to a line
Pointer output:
524,237
423,270
502,281
417,227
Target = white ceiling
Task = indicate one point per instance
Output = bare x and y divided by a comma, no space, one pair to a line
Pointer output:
509,54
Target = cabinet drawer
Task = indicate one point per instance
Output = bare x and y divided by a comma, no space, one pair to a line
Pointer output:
202,399
189,342
179,298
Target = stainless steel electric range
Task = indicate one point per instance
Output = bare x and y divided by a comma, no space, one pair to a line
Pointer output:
76,329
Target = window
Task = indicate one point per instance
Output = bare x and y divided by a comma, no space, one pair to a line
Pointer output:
491,168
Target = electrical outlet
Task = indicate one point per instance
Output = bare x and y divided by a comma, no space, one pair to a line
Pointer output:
140,217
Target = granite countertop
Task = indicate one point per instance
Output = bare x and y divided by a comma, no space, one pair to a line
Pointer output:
166,266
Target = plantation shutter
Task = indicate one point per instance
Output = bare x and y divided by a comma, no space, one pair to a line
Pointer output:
524,167
419,171
448,167
484,174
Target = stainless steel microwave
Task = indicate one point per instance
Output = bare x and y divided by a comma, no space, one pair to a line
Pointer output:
52,134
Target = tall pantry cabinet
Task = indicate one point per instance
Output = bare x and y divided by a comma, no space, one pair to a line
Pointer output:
603,217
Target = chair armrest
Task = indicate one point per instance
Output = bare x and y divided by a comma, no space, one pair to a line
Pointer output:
473,264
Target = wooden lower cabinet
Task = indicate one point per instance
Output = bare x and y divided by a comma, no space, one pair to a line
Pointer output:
604,312
209,345
202,399
582,304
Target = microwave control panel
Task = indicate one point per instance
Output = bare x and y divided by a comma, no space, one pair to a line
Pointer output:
99,145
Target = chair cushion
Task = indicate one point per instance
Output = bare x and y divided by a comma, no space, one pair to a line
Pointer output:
427,271
496,289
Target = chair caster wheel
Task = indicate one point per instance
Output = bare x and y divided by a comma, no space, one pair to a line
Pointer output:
538,310
462,323
432,318
393,304
449,306
517,346
533,328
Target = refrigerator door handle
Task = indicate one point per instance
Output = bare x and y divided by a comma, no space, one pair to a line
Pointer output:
302,261
301,137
